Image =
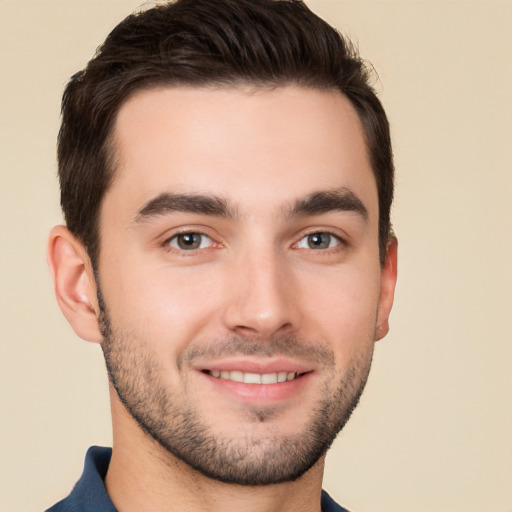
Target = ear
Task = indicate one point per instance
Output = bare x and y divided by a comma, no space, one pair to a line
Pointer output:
74,283
387,288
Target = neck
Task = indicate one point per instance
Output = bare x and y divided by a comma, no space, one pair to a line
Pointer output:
144,477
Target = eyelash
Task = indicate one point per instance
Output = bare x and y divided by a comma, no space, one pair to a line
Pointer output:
167,244
340,243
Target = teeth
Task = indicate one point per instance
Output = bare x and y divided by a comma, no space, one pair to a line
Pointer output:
254,378
269,378
236,376
251,378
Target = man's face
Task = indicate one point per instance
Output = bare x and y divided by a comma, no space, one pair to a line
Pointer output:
240,275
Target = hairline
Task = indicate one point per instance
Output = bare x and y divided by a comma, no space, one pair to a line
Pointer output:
113,160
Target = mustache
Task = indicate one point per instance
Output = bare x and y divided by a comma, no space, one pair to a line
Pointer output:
286,346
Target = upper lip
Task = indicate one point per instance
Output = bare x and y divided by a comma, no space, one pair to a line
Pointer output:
256,366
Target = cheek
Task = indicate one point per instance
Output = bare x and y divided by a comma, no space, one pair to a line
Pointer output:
167,307
344,310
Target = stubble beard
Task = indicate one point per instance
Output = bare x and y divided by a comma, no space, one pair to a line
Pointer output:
173,421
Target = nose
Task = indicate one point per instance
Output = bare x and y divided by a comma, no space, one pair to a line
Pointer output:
261,295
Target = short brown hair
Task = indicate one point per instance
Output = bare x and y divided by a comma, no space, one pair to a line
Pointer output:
263,43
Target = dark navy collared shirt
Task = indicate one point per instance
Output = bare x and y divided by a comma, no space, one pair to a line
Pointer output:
90,495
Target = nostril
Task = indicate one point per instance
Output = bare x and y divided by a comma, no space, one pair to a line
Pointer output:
263,330
243,330
262,308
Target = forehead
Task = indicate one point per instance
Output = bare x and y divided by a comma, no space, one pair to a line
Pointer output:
254,147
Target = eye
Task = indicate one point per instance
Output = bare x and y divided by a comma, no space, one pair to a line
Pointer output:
190,241
318,241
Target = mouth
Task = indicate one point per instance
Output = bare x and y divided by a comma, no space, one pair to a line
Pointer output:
254,378
257,381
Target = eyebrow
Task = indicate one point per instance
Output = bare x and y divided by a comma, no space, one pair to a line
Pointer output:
189,203
317,203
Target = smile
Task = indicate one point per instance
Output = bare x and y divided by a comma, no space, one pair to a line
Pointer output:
254,378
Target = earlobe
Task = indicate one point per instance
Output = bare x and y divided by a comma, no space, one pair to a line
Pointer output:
387,288
74,284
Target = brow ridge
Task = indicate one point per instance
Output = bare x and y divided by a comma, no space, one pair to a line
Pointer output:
189,203
326,201
316,203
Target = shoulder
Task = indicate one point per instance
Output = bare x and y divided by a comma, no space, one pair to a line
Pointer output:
89,494
329,505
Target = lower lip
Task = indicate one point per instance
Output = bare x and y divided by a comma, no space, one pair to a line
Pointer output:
263,394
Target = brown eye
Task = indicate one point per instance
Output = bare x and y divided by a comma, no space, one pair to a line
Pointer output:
190,241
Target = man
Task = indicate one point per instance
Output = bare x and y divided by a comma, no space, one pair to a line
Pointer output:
226,178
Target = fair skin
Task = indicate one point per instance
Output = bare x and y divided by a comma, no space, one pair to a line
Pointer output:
269,266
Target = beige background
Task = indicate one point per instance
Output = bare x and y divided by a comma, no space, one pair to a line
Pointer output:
434,430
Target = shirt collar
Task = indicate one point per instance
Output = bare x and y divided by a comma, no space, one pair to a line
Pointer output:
90,495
